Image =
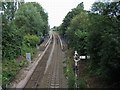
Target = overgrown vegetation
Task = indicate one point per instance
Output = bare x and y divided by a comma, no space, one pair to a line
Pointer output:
22,29
96,33
70,75
10,69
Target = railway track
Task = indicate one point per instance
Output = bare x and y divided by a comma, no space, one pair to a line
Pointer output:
39,70
49,71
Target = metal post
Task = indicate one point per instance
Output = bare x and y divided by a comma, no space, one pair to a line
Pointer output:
76,59
75,78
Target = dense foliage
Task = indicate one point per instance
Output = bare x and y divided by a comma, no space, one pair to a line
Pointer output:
96,33
22,29
30,19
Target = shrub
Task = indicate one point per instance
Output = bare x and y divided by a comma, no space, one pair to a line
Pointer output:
31,40
10,69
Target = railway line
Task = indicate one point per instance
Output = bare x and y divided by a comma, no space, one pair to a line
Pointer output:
49,71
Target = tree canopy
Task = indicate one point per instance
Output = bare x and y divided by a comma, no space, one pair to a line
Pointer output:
28,19
96,33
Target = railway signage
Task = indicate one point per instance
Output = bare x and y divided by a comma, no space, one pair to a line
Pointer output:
76,58
84,57
28,57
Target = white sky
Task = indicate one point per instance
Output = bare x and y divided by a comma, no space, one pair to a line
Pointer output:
58,9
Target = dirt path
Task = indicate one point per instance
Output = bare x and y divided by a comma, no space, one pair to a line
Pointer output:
49,72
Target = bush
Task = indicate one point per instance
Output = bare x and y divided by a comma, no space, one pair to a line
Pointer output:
26,49
10,69
69,73
31,40
81,83
71,78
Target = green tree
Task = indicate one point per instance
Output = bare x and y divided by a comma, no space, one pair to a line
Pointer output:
44,16
96,33
69,17
77,32
103,44
8,32
26,20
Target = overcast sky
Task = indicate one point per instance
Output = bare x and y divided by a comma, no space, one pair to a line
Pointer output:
57,9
